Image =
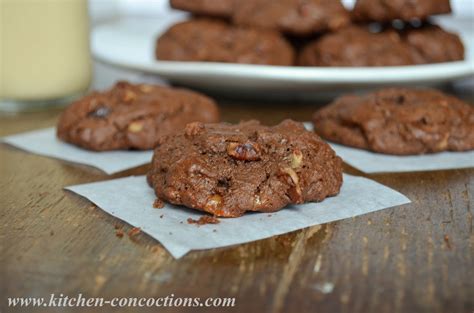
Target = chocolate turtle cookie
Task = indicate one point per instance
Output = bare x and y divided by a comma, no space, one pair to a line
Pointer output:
434,45
226,170
358,46
398,121
132,116
406,10
210,40
296,17
221,8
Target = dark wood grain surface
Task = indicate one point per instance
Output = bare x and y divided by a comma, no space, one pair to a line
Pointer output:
414,258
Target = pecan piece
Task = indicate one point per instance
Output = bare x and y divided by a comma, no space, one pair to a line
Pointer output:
245,152
214,203
294,192
135,127
193,129
129,96
145,88
296,159
443,143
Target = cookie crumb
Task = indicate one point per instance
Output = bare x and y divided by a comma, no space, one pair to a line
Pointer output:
119,233
155,249
446,240
158,204
134,231
206,219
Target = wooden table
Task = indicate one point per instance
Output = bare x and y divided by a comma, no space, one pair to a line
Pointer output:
413,258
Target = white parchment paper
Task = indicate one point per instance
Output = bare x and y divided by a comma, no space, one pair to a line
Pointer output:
370,162
45,142
131,199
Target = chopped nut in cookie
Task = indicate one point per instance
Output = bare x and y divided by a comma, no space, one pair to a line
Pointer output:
135,127
245,152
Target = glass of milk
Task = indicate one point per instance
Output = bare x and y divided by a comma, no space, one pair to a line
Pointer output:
44,53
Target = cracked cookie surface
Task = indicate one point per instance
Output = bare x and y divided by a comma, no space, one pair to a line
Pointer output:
358,46
399,121
132,116
226,169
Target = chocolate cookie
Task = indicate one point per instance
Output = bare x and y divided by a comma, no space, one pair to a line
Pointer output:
358,46
227,170
434,44
132,116
406,10
221,8
296,17
211,40
399,121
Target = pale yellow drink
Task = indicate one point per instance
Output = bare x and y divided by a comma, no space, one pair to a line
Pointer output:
44,49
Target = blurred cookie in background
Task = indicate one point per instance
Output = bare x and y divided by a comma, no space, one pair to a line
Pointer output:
295,17
212,40
358,45
434,44
405,10
218,8
399,121
129,116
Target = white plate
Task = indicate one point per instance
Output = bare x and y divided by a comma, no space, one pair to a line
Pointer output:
129,43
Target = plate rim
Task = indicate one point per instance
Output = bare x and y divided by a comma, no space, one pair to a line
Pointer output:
295,74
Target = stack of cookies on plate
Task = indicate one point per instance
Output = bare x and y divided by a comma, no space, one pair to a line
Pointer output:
310,33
